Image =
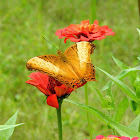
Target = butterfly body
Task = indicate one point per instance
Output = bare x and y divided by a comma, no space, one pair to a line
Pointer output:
73,67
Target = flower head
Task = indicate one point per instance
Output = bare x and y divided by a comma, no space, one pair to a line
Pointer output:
52,88
112,137
84,32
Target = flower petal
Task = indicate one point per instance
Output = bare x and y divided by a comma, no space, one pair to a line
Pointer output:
124,138
62,90
84,32
52,101
32,82
100,137
135,138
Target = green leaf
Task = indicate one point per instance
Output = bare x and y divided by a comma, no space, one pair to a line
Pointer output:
138,91
130,72
99,93
8,128
4,127
122,75
109,94
107,102
120,64
134,105
121,108
138,31
135,125
121,129
138,57
124,87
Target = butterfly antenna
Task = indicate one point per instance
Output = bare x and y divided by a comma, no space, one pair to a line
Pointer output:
60,45
49,42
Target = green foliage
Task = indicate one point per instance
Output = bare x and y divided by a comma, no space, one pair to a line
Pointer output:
132,74
126,71
138,31
135,125
23,23
7,129
138,57
124,87
121,108
121,129
107,102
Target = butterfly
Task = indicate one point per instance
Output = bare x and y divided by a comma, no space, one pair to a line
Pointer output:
72,68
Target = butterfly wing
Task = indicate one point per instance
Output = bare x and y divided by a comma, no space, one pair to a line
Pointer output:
53,66
79,57
71,68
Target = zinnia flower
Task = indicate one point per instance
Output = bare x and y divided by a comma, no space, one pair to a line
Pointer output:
84,32
112,137
52,88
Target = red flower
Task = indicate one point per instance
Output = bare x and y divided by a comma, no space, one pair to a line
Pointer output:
112,137
84,32
52,88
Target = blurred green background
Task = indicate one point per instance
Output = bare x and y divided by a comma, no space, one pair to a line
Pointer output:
23,23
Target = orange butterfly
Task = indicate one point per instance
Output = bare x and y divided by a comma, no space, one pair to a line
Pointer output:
72,68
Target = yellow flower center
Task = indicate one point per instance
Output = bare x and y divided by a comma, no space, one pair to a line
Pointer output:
111,138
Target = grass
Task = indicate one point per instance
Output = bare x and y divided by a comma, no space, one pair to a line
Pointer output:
22,27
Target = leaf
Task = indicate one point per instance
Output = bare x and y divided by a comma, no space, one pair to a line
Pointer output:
138,31
4,127
138,91
134,105
109,94
119,63
122,75
8,128
121,129
138,57
106,102
99,93
124,87
135,125
121,108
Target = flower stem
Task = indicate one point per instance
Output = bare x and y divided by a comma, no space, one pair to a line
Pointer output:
139,8
86,102
93,10
59,121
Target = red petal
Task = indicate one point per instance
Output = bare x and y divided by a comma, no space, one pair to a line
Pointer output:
110,33
59,90
74,39
52,101
113,136
85,22
124,138
135,138
41,81
99,38
39,77
82,38
45,91
100,137
32,82
96,22
62,90
65,40
69,90
58,32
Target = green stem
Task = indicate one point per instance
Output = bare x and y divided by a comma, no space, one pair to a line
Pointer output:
59,121
93,11
139,8
86,102
113,130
